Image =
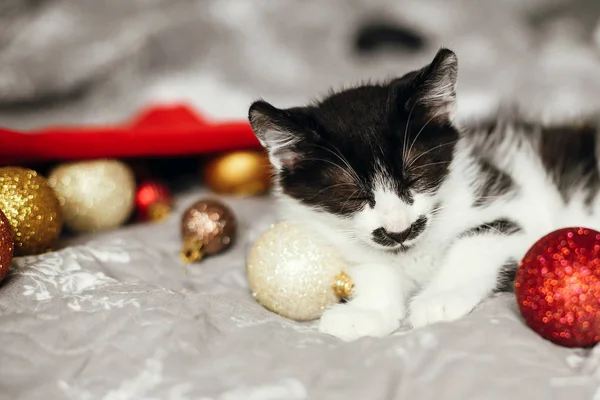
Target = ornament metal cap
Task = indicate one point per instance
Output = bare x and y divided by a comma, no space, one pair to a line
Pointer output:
192,251
158,212
343,285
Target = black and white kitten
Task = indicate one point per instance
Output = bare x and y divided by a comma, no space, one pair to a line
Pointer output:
431,218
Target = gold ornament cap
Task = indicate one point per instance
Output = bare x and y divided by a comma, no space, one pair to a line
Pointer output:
159,212
343,285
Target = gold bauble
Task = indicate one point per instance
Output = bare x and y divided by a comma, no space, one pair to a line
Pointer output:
239,173
94,195
32,208
294,275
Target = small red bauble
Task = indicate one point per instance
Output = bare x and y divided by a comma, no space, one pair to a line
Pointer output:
153,201
558,287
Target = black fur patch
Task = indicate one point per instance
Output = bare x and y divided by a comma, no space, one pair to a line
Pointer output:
386,238
506,276
502,226
496,183
569,155
381,237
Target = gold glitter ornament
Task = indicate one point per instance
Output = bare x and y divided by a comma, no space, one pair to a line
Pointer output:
94,195
32,209
7,245
294,275
207,227
239,173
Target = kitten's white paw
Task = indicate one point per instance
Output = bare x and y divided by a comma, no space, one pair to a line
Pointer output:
428,308
348,322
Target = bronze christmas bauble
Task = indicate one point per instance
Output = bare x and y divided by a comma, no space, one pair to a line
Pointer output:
32,208
207,227
94,195
239,173
7,245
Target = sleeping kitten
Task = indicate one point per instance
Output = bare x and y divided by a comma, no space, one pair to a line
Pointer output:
432,218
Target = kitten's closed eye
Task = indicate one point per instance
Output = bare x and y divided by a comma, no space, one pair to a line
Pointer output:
413,181
362,199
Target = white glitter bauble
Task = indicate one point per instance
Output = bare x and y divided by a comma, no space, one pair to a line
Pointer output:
293,274
94,195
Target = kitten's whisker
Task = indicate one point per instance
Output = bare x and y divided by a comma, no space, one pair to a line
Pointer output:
500,196
429,151
417,136
436,210
343,159
404,153
492,228
428,165
331,187
348,199
346,172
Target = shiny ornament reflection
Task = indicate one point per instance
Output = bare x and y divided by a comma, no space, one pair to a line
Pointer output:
6,245
32,208
153,201
558,287
94,195
207,227
294,275
239,173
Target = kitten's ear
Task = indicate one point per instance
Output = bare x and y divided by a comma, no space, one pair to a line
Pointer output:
434,86
281,132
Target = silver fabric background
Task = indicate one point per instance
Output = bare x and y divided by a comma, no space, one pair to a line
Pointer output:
116,316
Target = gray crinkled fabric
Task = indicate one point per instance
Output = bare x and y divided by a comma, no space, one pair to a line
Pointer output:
117,316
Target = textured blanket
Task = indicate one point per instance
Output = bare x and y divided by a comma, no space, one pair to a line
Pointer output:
116,316
119,317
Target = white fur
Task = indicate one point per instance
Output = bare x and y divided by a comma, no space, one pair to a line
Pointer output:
368,313
450,276
389,212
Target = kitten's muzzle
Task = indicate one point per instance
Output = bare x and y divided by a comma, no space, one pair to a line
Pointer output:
389,239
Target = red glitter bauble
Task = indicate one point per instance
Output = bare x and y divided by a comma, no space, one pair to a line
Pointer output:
7,245
558,287
153,201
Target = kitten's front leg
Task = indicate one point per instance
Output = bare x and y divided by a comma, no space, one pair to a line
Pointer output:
376,307
469,273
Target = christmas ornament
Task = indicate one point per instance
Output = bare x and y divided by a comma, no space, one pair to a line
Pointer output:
153,201
6,245
207,227
240,173
32,208
294,275
94,195
558,287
